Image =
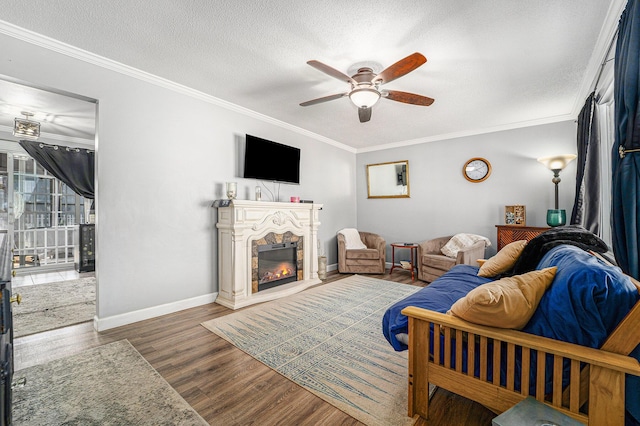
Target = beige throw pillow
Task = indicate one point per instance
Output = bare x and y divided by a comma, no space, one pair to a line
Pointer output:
506,303
503,260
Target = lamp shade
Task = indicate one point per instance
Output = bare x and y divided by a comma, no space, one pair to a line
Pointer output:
557,162
364,97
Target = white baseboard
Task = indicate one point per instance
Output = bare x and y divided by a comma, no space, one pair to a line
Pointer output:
101,324
334,266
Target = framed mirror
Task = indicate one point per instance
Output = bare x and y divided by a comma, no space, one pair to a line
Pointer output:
388,180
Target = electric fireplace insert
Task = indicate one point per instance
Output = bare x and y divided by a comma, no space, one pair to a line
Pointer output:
277,264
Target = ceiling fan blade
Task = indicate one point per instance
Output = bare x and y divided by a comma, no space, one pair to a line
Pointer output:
331,71
400,68
407,98
364,114
324,99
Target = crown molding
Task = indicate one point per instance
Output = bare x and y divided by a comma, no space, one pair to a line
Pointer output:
607,33
91,58
471,132
606,38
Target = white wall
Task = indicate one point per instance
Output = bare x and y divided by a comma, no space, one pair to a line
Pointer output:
443,202
162,157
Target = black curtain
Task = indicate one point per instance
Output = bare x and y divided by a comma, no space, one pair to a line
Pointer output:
625,208
586,207
73,166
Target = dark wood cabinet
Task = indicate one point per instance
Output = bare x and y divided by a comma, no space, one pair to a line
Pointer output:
85,248
510,233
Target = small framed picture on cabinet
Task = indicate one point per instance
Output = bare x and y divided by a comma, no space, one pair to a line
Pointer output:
515,215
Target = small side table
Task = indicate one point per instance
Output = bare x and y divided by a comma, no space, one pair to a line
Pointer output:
413,256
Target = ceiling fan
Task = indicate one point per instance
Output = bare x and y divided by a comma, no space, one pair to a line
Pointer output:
365,85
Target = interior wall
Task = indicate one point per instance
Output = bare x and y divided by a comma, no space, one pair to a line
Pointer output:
162,158
443,202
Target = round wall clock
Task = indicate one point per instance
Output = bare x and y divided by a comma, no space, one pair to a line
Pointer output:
476,170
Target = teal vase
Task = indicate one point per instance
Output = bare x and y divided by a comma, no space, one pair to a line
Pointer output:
556,217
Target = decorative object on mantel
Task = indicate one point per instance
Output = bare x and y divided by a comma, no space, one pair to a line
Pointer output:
258,193
25,128
556,216
232,188
221,203
515,215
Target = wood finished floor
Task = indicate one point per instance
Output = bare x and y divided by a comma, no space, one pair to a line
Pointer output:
225,385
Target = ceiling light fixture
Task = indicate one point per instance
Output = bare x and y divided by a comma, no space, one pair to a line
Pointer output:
25,128
365,97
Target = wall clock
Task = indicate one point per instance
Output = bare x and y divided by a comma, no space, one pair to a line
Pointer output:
476,170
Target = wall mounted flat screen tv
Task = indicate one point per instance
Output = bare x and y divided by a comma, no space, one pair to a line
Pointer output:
268,160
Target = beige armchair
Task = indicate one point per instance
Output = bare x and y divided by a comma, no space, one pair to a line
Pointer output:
362,261
432,263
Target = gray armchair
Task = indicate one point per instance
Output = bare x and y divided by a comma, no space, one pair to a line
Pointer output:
362,261
432,263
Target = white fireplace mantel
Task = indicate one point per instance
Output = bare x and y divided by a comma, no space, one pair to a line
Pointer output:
244,221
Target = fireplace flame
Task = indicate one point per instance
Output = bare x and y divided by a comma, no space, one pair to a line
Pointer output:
281,271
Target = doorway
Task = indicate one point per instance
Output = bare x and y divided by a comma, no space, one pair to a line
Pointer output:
40,214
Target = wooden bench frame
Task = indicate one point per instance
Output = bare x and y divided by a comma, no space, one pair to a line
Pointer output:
600,383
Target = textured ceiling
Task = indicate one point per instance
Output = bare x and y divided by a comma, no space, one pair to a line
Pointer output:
492,64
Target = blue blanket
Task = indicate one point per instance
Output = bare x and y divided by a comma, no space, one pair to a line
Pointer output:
437,296
585,302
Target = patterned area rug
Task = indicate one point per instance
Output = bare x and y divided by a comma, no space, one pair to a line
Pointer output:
109,385
329,340
54,305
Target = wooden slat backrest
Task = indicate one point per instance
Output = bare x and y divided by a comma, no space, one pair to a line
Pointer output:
622,340
607,381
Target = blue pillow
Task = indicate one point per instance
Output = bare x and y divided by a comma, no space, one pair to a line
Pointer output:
584,304
586,301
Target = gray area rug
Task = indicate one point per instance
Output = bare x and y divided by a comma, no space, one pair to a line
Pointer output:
329,340
54,305
111,385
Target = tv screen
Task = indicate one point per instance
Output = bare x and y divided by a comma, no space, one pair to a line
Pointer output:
268,160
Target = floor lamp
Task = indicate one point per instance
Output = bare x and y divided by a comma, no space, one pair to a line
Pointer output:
556,216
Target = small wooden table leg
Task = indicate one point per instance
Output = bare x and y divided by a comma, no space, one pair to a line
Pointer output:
393,258
414,255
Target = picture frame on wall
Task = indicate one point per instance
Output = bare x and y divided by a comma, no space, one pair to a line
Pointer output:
515,215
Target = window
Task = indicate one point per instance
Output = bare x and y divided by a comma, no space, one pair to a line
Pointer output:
46,212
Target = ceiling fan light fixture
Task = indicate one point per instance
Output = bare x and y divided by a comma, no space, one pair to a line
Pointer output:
364,97
365,85
25,128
